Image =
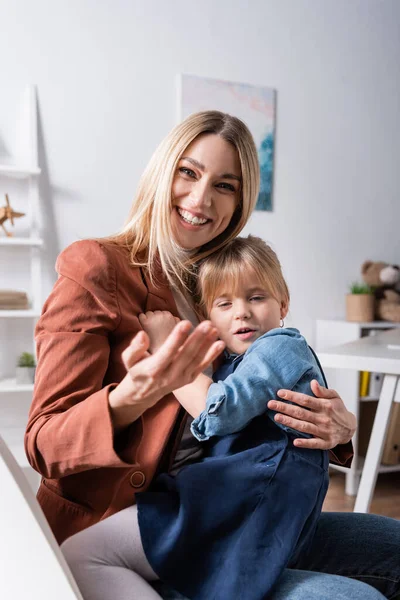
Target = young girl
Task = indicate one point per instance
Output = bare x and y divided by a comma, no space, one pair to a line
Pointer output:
254,499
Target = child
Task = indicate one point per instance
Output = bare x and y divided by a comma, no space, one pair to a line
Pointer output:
254,498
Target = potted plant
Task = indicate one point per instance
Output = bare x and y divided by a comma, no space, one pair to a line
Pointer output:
360,303
25,371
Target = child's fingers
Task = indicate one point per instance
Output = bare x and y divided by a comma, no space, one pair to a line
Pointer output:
142,318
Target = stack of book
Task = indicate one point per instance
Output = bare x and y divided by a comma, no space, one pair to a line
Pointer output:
13,300
370,384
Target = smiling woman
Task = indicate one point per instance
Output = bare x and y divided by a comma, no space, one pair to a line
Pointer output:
207,167
104,420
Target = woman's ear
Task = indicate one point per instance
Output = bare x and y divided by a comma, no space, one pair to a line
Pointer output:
284,309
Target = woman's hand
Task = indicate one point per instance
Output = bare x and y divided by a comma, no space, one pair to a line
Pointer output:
327,419
150,377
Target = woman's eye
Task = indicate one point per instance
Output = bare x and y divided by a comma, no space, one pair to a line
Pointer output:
227,186
187,172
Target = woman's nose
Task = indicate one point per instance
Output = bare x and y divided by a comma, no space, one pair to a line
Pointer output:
201,195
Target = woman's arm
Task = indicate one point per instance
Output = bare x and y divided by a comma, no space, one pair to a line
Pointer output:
75,418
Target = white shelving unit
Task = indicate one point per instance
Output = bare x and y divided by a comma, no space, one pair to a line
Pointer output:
14,241
332,332
26,168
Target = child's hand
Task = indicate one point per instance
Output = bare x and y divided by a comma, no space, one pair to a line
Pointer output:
158,325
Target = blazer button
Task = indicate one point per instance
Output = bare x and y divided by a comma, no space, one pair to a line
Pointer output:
137,479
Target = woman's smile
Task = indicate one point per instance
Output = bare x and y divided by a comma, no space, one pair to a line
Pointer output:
193,219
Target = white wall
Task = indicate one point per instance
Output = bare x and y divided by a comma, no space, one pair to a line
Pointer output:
105,71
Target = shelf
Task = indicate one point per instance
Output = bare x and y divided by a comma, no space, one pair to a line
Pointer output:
16,314
18,172
19,241
363,324
10,385
368,399
381,469
379,325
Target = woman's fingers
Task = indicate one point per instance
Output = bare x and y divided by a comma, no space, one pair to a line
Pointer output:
314,443
300,399
191,356
211,355
306,424
183,350
200,337
296,412
166,354
322,392
136,350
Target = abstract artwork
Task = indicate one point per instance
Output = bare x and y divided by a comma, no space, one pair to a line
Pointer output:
252,104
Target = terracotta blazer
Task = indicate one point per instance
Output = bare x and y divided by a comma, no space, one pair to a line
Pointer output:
88,320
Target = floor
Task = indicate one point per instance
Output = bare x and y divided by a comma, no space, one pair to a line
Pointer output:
386,500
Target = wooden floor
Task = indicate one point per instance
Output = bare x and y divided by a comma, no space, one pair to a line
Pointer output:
386,499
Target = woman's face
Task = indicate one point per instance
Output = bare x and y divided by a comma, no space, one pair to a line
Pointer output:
205,191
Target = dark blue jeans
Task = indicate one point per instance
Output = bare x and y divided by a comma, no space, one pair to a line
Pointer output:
353,556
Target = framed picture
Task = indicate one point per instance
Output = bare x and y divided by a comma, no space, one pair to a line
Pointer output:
254,105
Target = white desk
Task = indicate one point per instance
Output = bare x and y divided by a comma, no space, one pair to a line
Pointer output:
380,353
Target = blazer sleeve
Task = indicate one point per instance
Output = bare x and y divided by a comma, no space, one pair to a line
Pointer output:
342,455
70,428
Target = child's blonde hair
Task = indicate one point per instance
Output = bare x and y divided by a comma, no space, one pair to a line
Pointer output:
148,230
223,269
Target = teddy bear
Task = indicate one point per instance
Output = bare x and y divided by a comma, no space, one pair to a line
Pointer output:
384,279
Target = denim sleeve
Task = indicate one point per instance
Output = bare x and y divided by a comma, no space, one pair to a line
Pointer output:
269,365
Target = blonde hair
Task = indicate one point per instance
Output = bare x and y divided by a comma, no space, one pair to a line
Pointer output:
223,269
148,231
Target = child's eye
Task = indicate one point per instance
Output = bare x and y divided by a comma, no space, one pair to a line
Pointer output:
187,171
223,304
257,298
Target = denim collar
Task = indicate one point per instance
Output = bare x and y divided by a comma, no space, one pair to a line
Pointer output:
231,356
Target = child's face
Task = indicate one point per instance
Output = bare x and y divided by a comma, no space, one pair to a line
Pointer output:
243,317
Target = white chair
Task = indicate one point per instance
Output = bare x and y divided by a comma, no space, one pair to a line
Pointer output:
31,562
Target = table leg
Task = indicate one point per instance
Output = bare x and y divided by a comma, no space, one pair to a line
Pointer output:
352,482
375,446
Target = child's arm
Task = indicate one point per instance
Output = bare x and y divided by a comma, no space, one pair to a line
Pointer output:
271,363
194,395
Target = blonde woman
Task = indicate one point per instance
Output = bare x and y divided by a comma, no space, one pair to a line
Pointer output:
104,420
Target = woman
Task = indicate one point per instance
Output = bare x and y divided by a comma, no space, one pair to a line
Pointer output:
103,420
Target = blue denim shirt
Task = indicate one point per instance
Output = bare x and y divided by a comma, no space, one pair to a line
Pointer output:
281,358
